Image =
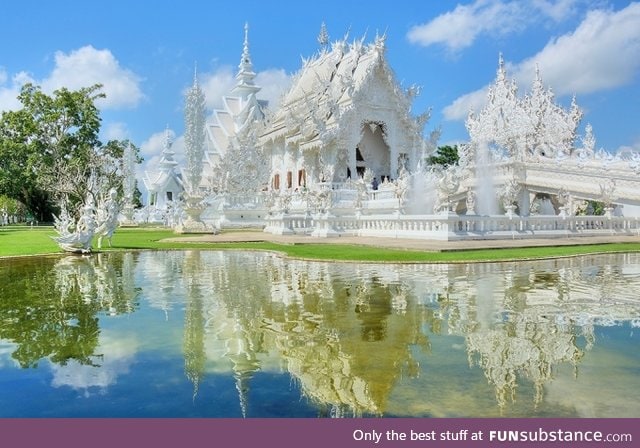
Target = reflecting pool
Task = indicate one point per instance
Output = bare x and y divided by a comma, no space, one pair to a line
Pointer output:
242,334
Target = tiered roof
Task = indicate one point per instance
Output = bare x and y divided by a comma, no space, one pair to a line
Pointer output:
325,87
240,108
166,168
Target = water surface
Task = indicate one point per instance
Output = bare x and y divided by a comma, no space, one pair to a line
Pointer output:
233,334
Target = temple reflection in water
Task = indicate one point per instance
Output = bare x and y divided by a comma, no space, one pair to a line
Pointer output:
354,339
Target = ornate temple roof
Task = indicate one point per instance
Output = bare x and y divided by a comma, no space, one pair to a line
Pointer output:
326,85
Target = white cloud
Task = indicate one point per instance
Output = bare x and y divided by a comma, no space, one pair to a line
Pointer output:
458,29
9,91
8,98
216,85
557,10
118,355
80,68
602,53
87,66
634,147
115,131
274,83
6,351
459,109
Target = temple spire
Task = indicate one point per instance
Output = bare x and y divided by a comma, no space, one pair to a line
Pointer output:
167,162
245,72
323,36
245,85
537,86
166,149
502,73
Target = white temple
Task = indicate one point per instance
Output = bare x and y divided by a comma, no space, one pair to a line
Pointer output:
343,155
164,186
343,114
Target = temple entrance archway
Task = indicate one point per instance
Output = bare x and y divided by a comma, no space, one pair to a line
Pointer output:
372,151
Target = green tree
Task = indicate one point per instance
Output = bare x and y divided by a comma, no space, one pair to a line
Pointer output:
50,150
12,207
137,197
445,156
17,173
592,208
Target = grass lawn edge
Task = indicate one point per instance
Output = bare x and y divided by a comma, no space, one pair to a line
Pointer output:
145,239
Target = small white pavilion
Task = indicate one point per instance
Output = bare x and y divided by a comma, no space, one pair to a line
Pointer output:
164,186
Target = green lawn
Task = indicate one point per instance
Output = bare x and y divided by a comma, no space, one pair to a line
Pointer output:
26,241
16,241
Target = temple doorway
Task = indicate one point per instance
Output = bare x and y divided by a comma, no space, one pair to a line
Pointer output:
372,151
360,162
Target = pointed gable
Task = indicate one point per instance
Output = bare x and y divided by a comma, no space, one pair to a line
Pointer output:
329,83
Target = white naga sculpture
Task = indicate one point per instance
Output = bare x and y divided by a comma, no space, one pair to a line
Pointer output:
78,240
77,237
108,211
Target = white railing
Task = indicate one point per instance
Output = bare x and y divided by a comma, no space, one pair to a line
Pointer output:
245,201
453,227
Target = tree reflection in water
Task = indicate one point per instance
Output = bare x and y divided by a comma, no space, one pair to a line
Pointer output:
54,311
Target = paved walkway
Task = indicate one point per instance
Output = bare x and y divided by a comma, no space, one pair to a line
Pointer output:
402,243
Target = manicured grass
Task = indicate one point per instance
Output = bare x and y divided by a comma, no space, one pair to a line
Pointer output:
24,241
364,253
27,241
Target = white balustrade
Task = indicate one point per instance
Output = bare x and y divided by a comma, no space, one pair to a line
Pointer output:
458,227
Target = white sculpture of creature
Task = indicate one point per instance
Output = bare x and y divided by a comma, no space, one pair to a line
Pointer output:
63,224
509,194
447,185
107,217
79,241
402,186
471,202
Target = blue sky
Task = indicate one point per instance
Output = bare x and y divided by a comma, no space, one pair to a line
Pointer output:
144,53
